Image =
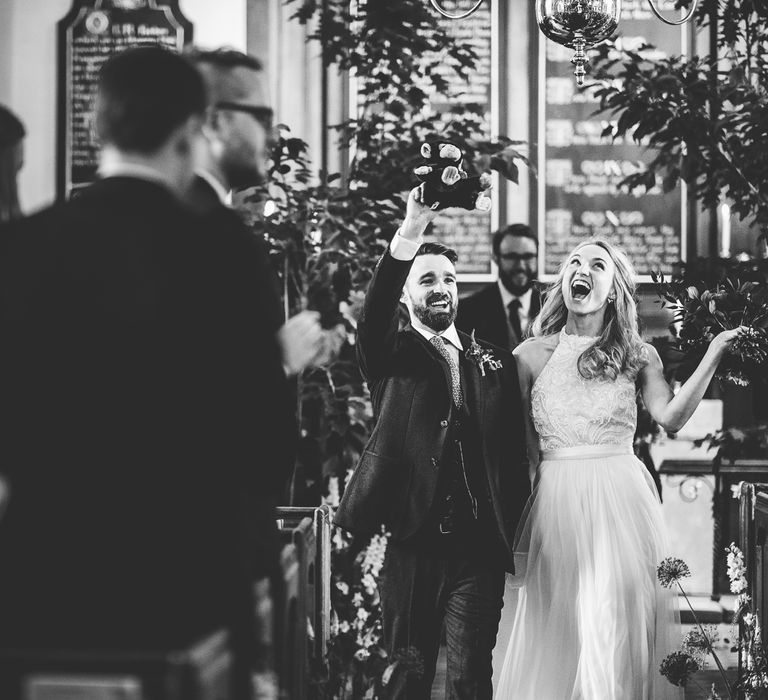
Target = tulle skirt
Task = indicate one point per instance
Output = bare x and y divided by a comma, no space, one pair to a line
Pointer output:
592,621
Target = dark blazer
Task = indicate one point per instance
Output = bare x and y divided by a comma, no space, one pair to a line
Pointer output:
135,403
395,481
485,313
278,438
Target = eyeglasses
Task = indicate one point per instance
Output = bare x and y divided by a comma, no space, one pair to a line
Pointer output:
264,115
516,257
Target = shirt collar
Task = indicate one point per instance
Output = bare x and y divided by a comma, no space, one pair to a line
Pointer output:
507,296
224,195
450,334
115,168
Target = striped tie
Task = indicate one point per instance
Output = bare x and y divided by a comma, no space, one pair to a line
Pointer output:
439,344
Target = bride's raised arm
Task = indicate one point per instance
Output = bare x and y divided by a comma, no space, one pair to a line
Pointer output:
672,411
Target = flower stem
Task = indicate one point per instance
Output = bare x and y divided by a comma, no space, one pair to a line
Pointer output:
709,644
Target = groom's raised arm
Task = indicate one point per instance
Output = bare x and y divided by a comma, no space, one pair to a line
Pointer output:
378,324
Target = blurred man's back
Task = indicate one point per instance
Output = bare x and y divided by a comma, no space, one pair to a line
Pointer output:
127,395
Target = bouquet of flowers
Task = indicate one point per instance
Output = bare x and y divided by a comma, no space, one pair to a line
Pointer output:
678,666
701,312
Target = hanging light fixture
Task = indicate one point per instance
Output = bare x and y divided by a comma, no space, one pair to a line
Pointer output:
577,24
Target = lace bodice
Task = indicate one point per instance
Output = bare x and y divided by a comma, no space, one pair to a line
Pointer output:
569,410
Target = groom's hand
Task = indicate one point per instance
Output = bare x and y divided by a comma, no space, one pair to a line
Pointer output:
417,215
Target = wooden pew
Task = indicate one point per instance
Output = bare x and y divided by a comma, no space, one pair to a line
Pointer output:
309,530
322,518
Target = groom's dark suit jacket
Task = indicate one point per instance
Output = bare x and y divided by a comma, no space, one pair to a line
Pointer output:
136,406
396,479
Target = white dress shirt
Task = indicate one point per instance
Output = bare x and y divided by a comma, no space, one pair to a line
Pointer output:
403,249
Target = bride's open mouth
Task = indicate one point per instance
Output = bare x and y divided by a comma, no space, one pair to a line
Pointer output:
580,289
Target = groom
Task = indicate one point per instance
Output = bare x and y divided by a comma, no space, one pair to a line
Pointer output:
444,470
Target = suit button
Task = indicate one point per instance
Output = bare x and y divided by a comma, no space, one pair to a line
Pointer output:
443,423
433,460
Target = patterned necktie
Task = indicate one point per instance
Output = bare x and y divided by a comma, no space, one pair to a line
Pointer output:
439,344
513,308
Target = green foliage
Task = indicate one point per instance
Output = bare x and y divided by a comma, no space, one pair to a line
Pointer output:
706,121
703,308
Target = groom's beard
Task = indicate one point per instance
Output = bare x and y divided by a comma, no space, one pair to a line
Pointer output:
437,320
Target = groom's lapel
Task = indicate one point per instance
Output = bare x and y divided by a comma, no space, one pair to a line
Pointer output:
475,390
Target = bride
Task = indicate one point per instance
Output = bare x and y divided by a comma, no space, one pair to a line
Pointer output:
592,622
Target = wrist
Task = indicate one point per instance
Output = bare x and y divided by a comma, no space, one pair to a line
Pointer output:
413,228
715,353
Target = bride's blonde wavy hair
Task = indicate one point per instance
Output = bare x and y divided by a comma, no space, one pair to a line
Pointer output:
619,349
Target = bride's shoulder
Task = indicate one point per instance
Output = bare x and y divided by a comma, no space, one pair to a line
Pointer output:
532,354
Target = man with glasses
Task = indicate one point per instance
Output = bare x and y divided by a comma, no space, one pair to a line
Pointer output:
233,154
501,313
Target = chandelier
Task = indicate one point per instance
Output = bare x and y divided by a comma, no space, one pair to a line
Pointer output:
577,24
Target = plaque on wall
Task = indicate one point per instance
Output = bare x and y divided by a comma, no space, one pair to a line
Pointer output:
579,173
91,32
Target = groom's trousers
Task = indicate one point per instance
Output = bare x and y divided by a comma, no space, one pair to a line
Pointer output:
420,589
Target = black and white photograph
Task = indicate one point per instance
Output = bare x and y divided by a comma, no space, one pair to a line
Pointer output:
383,349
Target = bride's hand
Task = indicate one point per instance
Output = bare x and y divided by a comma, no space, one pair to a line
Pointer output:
723,341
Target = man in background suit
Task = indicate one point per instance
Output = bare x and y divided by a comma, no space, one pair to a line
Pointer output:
138,393
233,155
501,313
238,135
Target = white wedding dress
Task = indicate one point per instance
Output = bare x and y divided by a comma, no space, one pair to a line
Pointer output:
592,621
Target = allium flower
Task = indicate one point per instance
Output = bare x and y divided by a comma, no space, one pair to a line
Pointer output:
344,627
343,587
699,641
357,599
677,667
671,570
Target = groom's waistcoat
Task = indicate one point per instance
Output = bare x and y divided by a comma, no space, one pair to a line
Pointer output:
461,518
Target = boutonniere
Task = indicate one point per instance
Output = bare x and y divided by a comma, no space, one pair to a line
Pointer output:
482,357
